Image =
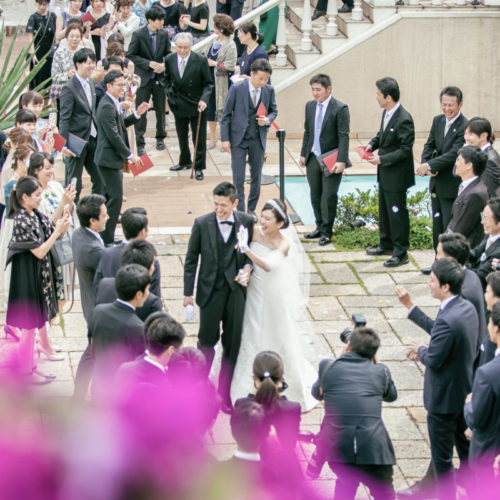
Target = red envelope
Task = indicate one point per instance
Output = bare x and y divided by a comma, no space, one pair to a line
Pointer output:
88,17
363,154
146,165
59,142
261,110
329,159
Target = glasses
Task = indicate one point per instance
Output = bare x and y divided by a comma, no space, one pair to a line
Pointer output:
119,84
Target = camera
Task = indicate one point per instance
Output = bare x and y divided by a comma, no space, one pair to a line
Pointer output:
358,223
358,320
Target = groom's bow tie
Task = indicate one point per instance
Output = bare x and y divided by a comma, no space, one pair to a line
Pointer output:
230,222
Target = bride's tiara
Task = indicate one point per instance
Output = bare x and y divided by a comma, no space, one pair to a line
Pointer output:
275,205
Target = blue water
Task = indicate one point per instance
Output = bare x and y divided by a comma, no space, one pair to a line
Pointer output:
298,195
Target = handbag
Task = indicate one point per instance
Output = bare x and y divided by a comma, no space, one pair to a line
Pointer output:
61,251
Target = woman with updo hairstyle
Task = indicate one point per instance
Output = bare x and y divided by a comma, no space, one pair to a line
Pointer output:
478,132
249,36
114,49
221,57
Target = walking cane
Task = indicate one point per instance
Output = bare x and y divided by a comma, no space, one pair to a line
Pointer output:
196,143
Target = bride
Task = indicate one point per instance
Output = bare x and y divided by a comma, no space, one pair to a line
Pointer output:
273,306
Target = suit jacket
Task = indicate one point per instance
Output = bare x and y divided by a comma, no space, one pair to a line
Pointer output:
87,251
196,84
106,293
112,148
203,242
352,430
466,212
139,372
491,175
440,153
75,114
480,259
235,115
395,144
334,130
472,291
449,358
482,412
110,263
141,54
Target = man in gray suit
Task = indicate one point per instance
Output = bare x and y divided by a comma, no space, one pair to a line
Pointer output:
353,436
244,129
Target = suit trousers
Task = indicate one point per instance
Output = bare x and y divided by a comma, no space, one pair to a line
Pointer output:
144,93
182,124
225,305
378,478
113,190
445,431
441,216
73,167
394,221
233,8
83,375
323,196
238,165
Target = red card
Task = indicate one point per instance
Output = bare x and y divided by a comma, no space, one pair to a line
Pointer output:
261,110
330,160
363,154
88,17
146,165
59,142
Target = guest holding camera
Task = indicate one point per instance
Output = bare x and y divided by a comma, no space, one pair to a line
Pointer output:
353,436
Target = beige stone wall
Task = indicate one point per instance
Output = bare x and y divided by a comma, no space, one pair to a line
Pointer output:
424,55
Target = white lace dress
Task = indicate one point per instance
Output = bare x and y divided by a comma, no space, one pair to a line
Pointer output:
270,324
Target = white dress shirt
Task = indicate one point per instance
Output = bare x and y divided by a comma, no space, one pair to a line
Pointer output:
225,229
389,114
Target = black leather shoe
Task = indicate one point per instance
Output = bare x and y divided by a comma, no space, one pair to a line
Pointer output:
313,235
160,145
324,240
179,167
344,9
198,175
426,271
396,261
420,489
117,242
378,251
141,150
317,14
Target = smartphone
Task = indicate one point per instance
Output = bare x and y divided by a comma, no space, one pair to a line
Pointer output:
73,182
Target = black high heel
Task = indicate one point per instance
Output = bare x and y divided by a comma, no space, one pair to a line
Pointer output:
9,331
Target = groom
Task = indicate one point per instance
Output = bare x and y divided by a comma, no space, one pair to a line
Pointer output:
220,294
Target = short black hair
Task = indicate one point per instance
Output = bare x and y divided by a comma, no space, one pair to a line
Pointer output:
106,63
249,425
25,116
474,155
81,56
130,279
227,190
495,314
188,362
139,252
494,205
134,220
388,86
493,279
452,91
89,207
261,65
162,331
154,13
449,272
478,126
324,80
111,76
364,341
455,245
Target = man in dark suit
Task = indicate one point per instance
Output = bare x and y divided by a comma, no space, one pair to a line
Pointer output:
449,361
147,50
142,253
110,64
438,158
243,131
134,223
483,256
164,336
472,195
326,127
353,437
116,334
491,297
77,117
113,149
395,173
220,294
189,86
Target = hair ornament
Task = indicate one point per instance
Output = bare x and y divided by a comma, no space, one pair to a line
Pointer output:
266,375
275,205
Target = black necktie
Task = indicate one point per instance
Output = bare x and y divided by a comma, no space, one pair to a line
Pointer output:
153,43
229,222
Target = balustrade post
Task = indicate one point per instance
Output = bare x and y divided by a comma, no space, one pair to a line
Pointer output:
437,2
357,11
281,36
332,11
306,27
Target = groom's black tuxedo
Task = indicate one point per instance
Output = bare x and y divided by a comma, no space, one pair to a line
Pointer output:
219,296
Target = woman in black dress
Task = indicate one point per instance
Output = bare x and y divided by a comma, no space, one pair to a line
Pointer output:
42,24
32,294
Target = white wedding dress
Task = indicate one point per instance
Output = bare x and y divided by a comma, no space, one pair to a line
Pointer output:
274,304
